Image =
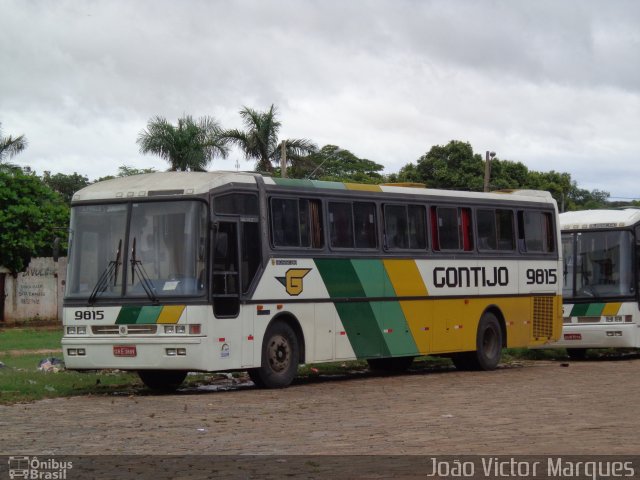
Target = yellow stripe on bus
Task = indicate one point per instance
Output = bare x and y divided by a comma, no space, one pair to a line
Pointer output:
611,309
171,313
407,282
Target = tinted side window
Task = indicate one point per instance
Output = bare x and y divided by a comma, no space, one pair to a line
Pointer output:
535,232
364,215
341,225
405,227
296,223
451,228
284,222
495,229
236,204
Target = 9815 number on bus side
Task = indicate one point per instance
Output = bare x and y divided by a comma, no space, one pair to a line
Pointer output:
542,276
89,315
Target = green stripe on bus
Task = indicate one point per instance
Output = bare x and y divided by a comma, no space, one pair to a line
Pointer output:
301,182
360,323
293,182
373,328
395,330
128,315
149,314
587,310
340,278
595,309
389,315
138,315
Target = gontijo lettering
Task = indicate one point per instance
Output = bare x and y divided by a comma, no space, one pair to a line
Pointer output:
453,277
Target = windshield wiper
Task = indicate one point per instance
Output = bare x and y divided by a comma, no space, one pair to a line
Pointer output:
107,274
145,281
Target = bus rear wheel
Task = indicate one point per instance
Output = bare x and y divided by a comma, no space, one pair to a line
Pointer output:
280,354
488,347
162,380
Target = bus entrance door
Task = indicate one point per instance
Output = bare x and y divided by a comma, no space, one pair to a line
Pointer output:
225,274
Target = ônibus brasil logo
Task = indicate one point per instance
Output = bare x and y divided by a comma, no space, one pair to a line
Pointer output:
34,468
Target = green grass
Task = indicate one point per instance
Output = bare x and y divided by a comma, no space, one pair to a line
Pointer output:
21,381
30,339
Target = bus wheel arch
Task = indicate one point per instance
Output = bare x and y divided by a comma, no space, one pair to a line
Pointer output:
490,339
495,310
281,353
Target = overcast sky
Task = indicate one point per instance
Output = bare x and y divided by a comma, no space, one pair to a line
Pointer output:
553,84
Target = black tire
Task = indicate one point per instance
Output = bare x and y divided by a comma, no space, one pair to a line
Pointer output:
162,380
280,357
577,353
488,347
393,364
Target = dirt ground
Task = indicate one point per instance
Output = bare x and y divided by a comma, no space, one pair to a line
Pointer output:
539,408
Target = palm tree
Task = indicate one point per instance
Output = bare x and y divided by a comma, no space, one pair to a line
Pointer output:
10,147
259,140
190,145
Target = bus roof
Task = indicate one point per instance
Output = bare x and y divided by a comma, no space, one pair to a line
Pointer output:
594,219
196,183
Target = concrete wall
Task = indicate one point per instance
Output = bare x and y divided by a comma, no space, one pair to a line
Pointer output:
35,295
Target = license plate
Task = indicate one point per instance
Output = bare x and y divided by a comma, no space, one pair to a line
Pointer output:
573,336
124,350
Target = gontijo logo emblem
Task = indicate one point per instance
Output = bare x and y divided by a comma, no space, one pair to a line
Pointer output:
292,280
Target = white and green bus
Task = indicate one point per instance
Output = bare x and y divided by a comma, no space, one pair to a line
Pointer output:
600,289
220,271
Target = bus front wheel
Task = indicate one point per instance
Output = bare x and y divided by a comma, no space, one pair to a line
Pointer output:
162,380
488,347
280,354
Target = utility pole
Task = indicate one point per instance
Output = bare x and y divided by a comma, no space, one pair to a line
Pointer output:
487,169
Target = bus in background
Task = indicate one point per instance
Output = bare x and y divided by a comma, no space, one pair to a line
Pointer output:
600,286
219,271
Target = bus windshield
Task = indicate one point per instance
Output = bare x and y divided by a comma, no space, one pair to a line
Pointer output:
597,264
145,249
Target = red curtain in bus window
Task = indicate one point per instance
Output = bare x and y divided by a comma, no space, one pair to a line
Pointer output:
465,226
434,229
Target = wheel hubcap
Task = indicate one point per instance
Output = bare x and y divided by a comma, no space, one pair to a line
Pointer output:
279,353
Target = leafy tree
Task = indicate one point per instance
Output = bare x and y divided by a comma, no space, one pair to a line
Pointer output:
65,185
455,166
31,216
333,163
452,166
9,147
259,139
127,171
190,145
407,174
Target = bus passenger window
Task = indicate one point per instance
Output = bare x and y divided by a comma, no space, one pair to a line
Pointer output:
448,228
495,230
341,225
284,217
535,232
405,227
364,215
296,223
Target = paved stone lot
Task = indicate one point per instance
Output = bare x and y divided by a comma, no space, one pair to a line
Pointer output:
539,408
